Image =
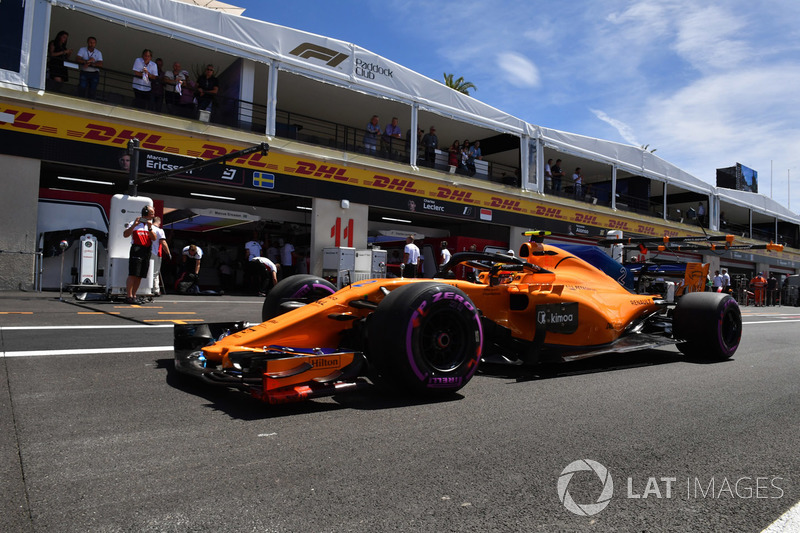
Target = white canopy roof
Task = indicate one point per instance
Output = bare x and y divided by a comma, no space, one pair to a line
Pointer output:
758,203
217,26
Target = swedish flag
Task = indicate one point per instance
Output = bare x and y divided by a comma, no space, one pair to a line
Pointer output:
263,180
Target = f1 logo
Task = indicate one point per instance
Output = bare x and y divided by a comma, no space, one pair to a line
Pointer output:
332,58
337,234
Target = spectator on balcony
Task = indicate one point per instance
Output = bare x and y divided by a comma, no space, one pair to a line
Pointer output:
207,89
57,53
430,142
371,135
474,153
453,155
548,176
172,91
577,183
187,103
391,137
90,60
464,156
557,175
144,72
157,87
701,214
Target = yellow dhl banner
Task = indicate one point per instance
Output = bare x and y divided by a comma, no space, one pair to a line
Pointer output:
65,126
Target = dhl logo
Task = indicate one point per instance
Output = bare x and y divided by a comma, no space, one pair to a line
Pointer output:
645,230
119,136
549,212
394,184
617,224
22,120
508,205
583,218
446,193
305,168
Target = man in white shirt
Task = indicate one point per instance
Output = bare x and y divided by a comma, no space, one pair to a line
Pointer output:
287,258
144,70
445,255
271,270
90,60
157,252
254,273
192,255
716,283
410,258
726,280
577,182
701,213
548,176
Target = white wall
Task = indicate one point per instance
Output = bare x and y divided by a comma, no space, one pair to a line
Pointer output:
19,197
351,229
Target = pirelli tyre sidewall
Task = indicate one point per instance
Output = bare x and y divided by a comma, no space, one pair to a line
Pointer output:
300,289
709,324
425,338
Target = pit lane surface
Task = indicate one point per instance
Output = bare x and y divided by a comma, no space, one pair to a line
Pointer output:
115,441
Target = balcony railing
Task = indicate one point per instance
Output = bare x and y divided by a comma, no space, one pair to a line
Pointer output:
115,88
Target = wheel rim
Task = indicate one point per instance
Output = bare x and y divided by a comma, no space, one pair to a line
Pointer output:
730,328
444,341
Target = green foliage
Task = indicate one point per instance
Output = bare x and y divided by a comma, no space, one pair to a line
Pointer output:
458,84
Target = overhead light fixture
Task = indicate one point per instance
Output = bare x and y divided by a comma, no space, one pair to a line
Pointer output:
390,219
303,208
84,180
214,196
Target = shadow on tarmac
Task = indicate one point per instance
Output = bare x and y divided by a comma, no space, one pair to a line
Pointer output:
600,363
242,406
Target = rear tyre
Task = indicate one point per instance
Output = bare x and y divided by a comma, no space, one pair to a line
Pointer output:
295,291
709,324
425,338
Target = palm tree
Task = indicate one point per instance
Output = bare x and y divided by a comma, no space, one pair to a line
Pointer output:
459,85
646,146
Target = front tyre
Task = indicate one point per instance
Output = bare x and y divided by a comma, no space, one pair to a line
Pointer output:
709,323
295,291
425,338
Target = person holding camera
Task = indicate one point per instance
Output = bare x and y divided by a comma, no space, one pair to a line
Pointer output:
142,236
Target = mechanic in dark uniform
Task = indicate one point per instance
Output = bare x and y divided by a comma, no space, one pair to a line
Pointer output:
142,236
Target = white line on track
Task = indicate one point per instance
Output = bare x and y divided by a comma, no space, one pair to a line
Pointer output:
788,522
40,328
772,321
86,351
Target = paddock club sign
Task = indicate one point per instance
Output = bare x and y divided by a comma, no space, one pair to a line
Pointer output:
265,172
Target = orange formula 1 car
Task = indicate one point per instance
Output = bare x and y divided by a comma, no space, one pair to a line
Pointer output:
428,336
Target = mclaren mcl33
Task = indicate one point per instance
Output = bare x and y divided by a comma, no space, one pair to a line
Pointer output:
428,336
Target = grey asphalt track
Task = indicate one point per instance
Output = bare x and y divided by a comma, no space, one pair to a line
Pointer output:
96,435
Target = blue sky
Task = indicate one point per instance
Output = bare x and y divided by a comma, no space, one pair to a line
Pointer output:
707,84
